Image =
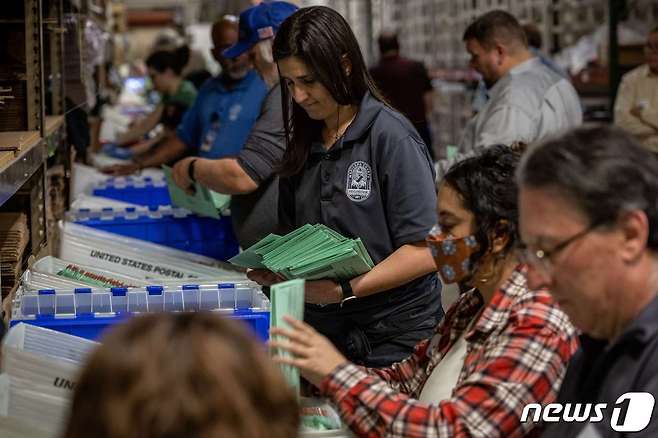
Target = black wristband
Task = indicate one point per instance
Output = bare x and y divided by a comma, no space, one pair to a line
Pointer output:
348,293
190,170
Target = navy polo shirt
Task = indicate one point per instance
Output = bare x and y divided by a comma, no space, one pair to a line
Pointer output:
602,371
219,121
377,184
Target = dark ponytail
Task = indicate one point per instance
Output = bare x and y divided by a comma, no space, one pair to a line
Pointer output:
176,60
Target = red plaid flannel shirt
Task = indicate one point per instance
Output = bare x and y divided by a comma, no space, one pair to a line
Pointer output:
517,353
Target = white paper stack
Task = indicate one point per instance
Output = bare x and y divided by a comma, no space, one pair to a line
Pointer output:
23,405
54,273
98,202
137,258
85,178
39,370
51,343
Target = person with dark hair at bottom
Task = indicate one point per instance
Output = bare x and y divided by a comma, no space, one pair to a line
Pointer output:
179,375
359,167
177,95
405,84
250,176
527,101
221,117
589,220
501,345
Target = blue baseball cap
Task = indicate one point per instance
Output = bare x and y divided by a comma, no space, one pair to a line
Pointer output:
259,23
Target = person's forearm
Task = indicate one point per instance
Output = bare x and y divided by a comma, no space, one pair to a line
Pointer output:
223,176
650,118
406,264
141,128
169,151
633,125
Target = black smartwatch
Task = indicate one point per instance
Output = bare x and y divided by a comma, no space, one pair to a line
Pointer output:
348,293
190,170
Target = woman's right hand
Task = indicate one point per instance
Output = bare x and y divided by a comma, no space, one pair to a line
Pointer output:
314,355
264,277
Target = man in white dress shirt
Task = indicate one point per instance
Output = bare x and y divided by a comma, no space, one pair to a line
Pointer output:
527,101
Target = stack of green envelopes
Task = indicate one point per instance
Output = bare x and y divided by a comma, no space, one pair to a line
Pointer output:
203,202
311,252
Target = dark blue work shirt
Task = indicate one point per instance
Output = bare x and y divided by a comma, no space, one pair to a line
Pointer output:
377,184
220,120
601,372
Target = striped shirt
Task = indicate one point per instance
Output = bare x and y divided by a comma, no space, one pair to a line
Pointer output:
517,354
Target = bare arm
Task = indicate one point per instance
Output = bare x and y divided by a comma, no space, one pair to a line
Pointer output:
405,264
224,175
170,150
142,127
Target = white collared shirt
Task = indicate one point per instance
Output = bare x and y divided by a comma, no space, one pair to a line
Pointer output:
528,104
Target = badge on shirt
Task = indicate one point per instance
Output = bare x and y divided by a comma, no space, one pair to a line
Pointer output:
234,112
211,135
359,181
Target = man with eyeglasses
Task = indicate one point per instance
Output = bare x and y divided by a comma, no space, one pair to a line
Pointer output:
220,119
636,106
588,209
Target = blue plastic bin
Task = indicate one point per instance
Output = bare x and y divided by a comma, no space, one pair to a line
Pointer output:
87,312
135,190
173,227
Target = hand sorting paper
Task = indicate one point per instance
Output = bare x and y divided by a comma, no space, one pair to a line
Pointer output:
311,252
203,201
287,300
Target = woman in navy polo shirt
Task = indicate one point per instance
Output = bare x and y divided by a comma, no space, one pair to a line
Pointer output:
359,167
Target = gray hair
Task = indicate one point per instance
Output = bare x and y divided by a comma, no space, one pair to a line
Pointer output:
601,169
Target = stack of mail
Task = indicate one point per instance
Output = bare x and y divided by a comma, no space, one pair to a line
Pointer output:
137,258
39,373
311,252
203,202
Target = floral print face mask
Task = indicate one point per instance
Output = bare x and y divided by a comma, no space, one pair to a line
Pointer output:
453,257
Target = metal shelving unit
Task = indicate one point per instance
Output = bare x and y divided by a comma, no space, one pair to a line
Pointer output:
32,112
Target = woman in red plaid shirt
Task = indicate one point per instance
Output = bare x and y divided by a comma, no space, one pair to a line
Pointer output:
500,346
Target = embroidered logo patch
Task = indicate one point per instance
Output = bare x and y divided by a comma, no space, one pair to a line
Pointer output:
359,181
234,112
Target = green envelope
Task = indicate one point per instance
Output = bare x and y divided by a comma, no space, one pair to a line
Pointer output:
250,258
310,252
203,202
287,298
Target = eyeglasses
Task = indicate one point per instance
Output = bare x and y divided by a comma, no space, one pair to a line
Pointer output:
543,259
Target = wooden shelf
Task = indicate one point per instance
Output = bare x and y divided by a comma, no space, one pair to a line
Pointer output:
17,166
53,123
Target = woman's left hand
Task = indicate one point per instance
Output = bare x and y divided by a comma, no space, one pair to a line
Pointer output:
264,277
314,355
323,292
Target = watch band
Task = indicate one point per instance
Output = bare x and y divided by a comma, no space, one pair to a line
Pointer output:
190,170
348,293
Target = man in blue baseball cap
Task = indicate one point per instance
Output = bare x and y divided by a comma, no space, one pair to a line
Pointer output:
249,176
219,121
